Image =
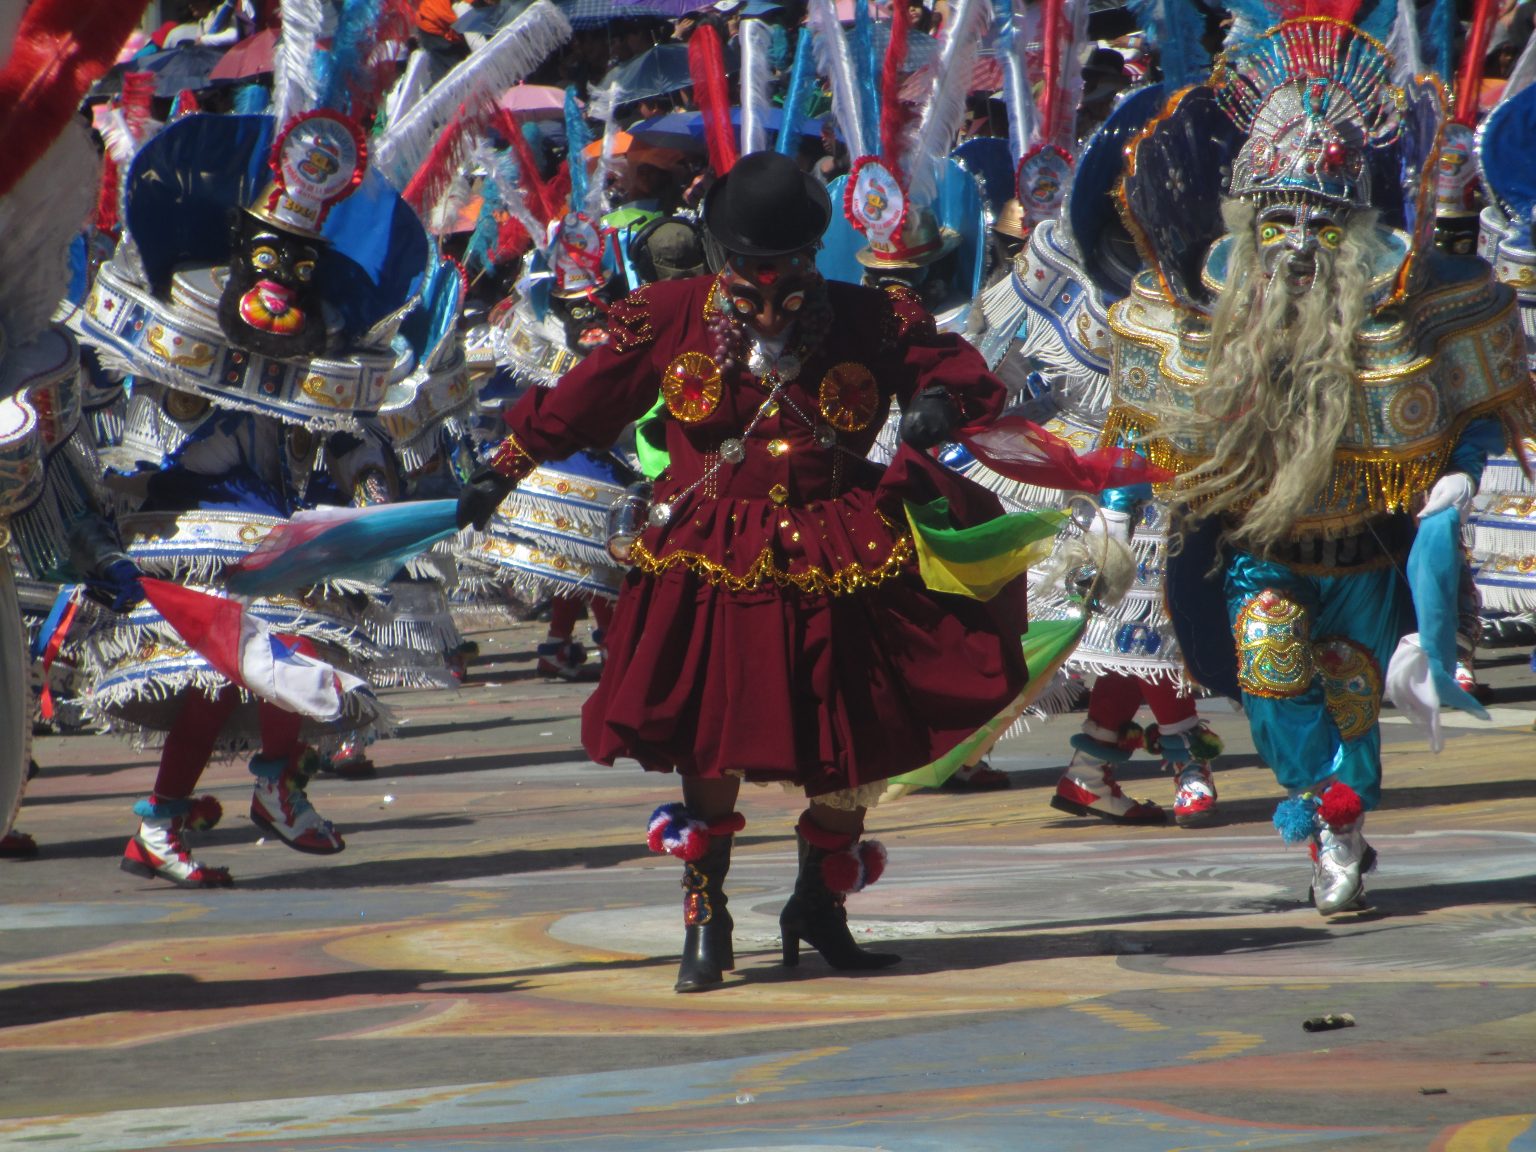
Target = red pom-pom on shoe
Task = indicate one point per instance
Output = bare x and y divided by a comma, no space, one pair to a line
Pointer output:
872,856
1341,806
841,872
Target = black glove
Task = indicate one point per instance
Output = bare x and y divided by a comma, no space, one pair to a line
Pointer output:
929,419
481,497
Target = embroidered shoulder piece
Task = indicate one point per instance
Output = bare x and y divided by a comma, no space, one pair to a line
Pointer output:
629,322
910,320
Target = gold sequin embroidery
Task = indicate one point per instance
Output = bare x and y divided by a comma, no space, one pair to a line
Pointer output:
851,578
1274,658
1351,682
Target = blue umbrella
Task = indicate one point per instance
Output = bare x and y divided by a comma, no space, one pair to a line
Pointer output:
684,131
597,13
657,71
178,69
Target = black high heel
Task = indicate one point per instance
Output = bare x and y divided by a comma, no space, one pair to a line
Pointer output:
818,916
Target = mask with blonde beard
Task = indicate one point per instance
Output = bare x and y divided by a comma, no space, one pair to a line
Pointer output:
1280,379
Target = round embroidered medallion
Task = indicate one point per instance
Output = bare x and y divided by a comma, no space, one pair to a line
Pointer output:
848,397
691,387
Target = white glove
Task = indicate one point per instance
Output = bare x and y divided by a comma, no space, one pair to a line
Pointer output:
1112,523
1453,490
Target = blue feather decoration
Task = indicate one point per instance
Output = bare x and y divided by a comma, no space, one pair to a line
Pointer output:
1296,819
577,137
865,69
1175,29
802,81
1250,19
1376,17
1442,35
250,100
482,240
335,70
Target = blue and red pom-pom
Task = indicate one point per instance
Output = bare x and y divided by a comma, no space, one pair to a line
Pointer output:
1299,817
676,832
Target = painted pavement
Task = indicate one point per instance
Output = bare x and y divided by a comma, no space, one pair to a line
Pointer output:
489,964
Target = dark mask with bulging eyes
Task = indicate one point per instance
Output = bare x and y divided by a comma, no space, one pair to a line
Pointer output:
271,304
584,318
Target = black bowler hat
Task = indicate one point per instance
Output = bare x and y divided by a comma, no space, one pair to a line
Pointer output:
765,206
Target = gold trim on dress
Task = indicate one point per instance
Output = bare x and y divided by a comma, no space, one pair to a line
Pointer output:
811,581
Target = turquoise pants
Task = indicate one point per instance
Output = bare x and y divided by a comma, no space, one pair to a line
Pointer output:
1312,651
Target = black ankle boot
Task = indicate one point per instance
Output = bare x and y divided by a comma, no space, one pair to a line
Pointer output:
707,950
816,912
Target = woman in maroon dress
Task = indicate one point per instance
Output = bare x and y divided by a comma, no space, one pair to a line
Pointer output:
774,627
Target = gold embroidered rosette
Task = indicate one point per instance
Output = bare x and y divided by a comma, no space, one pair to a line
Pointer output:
691,387
848,397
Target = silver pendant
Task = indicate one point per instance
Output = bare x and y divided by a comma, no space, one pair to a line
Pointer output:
826,435
659,514
733,451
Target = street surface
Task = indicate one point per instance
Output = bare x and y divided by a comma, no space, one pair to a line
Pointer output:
489,965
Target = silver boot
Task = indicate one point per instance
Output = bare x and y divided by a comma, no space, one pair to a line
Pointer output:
1340,860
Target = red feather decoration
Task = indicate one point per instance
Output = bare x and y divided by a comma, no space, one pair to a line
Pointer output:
62,48
894,114
106,198
433,177
536,192
706,64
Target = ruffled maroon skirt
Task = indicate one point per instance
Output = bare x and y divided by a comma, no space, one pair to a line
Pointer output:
797,644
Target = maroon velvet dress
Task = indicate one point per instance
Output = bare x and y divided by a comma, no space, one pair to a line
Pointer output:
775,626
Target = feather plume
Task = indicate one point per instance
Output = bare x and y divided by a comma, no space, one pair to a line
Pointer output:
862,48
542,202
802,79
577,136
1443,27
1175,28
410,88
755,85
39,215
61,48
339,70
894,113
1250,19
706,64
504,188
1078,49
944,109
834,62
510,55
1023,116
1473,61
436,174
1403,44
250,100
595,204
295,82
